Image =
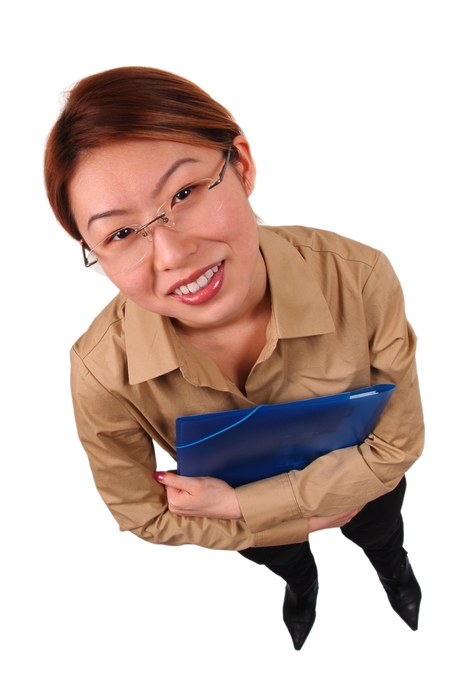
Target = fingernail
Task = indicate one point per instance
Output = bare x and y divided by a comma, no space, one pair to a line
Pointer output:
159,476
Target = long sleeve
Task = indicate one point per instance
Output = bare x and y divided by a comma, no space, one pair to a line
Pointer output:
356,475
338,324
122,460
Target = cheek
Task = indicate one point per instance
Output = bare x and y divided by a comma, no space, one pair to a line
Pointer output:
237,224
133,283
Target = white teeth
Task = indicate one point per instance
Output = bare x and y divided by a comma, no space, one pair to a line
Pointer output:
201,282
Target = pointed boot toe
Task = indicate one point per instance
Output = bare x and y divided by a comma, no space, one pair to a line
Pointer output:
404,594
299,614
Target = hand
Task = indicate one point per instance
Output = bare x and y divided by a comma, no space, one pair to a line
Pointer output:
318,522
200,496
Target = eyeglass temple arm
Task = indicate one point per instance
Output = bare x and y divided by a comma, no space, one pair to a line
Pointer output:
223,171
84,247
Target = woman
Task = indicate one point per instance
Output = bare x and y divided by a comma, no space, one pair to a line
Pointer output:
215,313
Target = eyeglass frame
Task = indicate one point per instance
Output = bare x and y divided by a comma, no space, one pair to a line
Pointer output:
85,247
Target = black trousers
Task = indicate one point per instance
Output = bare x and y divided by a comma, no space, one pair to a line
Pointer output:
377,529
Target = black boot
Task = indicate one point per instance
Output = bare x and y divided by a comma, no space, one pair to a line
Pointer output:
404,594
299,613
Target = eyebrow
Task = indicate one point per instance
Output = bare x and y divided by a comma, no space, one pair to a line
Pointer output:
162,181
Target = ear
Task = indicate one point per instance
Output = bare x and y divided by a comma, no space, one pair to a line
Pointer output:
245,165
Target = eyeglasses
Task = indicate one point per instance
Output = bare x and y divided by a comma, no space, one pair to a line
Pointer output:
125,248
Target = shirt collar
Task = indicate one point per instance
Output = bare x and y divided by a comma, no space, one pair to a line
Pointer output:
149,344
298,304
299,310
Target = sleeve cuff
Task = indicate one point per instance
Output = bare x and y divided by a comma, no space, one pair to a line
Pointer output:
290,532
267,503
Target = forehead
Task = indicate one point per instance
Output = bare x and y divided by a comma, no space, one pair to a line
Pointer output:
124,160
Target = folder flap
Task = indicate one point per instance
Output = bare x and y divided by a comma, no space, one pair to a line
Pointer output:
245,445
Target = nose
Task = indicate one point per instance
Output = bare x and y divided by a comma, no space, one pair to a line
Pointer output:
171,249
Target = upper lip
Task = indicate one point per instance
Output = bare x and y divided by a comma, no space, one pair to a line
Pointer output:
193,277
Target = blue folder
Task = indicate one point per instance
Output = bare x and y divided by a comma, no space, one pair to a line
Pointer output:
250,444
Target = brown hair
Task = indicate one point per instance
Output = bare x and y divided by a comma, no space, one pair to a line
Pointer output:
128,103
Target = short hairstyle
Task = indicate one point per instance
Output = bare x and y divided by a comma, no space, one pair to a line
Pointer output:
124,103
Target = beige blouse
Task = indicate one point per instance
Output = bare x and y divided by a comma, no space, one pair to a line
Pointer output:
338,323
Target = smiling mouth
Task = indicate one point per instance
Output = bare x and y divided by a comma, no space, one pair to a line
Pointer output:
202,281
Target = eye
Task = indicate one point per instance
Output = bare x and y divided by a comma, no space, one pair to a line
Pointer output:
183,194
120,235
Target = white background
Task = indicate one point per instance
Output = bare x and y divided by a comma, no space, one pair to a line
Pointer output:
356,112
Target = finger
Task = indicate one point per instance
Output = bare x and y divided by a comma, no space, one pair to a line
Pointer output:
173,480
347,515
344,521
351,513
345,518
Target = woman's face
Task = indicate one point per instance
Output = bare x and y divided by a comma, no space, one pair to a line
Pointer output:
125,183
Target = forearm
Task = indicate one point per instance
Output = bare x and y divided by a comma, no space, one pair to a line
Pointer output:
345,478
211,533
139,504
